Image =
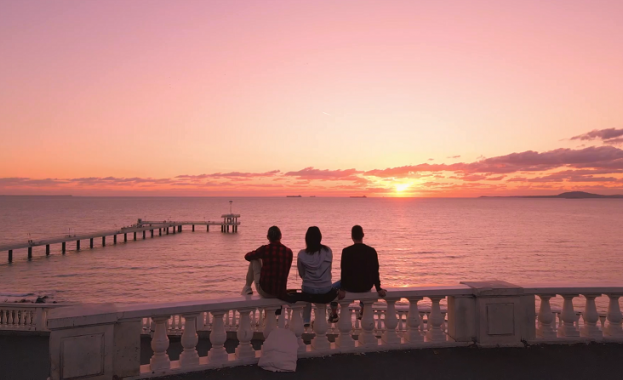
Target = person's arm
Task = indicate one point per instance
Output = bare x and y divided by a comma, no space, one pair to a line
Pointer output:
255,255
300,266
375,271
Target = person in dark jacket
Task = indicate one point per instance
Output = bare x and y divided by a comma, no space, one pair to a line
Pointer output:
359,270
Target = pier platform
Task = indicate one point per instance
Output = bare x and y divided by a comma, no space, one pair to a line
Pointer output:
229,224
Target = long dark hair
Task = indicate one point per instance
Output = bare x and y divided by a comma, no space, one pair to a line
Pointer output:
313,237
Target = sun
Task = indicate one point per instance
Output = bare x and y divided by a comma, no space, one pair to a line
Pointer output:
402,187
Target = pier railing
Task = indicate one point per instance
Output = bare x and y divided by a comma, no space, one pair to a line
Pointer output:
104,340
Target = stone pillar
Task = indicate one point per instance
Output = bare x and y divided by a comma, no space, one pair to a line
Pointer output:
320,341
245,334
345,341
218,336
390,337
189,357
591,317
90,342
499,313
462,318
568,329
614,317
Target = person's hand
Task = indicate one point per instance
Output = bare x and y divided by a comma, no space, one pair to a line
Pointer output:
341,294
382,293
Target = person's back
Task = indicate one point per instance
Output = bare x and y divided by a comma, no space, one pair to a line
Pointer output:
360,268
272,270
315,268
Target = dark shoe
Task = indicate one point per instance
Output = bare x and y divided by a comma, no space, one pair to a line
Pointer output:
333,318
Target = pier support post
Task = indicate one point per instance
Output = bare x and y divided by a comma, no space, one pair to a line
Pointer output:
29,253
144,234
179,228
91,243
207,228
77,245
167,230
151,232
174,229
114,239
103,241
47,249
125,237
135,235
10,255
159,231
63,248
193,228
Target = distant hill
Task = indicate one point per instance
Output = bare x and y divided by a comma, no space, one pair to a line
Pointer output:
567,195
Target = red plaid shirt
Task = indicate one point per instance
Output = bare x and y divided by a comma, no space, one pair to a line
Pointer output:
276,262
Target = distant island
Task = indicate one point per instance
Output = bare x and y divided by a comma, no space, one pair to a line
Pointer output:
567,195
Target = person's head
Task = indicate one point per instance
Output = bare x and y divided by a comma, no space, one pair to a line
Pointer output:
356,233
313,237
274,234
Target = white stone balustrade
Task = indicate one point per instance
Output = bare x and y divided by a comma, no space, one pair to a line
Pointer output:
485,313
25,317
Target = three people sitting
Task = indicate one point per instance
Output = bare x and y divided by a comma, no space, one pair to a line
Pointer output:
270,265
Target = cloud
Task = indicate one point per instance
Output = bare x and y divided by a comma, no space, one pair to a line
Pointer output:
454,157
606,135
310,173
271,173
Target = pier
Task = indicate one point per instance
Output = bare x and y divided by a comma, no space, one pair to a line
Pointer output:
229,224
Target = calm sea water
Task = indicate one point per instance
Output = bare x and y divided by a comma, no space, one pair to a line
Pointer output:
420,241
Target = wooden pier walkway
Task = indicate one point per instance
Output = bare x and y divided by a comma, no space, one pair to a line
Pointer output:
229,224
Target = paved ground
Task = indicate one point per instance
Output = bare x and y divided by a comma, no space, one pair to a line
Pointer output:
26,357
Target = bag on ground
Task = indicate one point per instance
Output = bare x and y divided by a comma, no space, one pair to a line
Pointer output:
279,352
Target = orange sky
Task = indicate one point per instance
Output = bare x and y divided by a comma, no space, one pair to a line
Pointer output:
383,98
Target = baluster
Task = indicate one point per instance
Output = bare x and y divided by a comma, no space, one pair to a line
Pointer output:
189,357
160,344
271,321
602,322
434,333
390,337
227,321
245,334
345,327
613,326
2,317
546,317
320,341
590,316
355,313
366,336
568,328
414,322
218,336
10,323
296,325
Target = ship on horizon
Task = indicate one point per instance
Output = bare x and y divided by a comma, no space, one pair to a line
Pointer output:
293,196
358,196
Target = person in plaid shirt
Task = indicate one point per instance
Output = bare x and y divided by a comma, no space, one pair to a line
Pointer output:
269,266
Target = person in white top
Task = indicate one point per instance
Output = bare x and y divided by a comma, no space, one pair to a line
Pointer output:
314,266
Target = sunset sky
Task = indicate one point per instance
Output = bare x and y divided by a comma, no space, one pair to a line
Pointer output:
327,98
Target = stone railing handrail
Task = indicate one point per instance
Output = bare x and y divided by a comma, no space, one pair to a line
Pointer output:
94,314
553,288
103,340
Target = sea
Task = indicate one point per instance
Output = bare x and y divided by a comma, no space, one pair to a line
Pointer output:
420,241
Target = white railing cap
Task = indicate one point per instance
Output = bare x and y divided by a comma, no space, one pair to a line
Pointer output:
573,288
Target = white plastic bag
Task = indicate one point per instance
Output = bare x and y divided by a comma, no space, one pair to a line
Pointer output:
279,352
